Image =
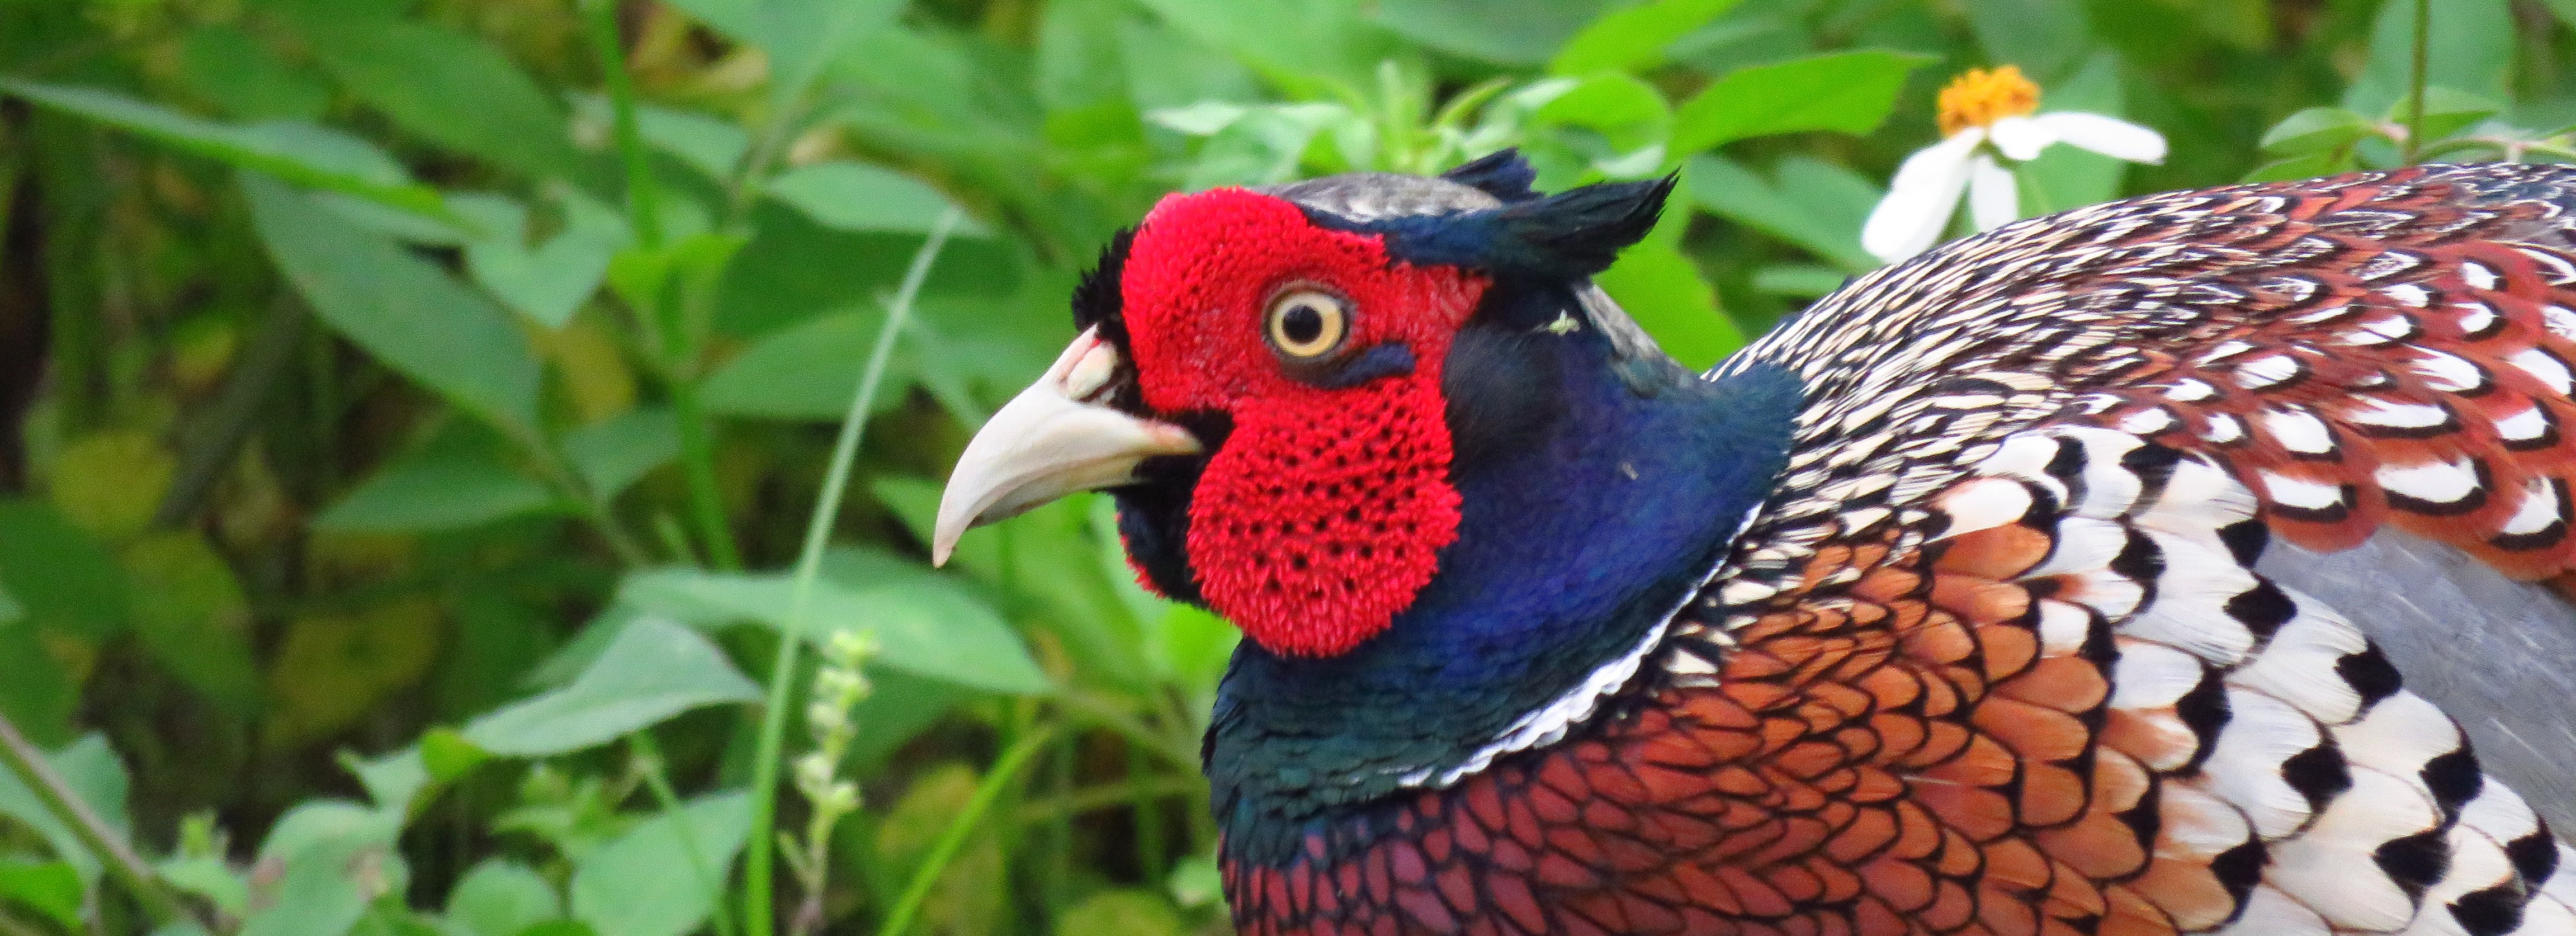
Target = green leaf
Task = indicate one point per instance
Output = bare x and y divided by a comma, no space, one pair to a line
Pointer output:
394,781
1798,280
661,877
614,452
90,769
921,621
2314,129
2445,111
407,312
654,669
51,887
806,371
190,612
710,145
501,897
1120,913
2471,51
239,73
1634,38
1311,45
209,877
855,196
64,578
1816,205
336,858
2305,166
1506,32
2046,38
447,87
547,282
1850,92
301,153
446,487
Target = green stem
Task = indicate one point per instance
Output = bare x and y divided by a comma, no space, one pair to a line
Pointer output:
643,201
757,911
648,757
138,879
899,919
2415,80
698,465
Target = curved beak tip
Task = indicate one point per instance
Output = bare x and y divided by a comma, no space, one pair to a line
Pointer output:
1046,444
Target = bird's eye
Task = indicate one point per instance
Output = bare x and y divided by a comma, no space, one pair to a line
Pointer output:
1305,324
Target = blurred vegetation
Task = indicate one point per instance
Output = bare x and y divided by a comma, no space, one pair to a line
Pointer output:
420,414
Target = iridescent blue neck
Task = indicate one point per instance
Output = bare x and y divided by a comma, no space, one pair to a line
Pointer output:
1597,494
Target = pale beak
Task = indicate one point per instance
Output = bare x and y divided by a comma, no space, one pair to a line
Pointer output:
1057,437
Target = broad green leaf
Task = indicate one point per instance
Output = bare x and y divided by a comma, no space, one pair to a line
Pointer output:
2306,166
1507,32
1050,563
64,578
91,770
449,88
444,488
501,897
1816,205
209,877
51,887
2445,111
1799,280
1634,38
922,622
2471,51
708,144
547,282
802,36
855,196
336,858
407,312
654,669
2315,129
394,781
39,695
250,82
808,371
1302,44
661,877
614,452
109,482
189,610
1121,913
301,153
1850,92
2046,38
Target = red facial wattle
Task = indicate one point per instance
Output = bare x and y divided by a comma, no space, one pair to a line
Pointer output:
1322,515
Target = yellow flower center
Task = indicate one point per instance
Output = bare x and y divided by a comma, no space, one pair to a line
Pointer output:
1981,96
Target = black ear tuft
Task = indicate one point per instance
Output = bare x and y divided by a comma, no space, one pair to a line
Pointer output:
1503,174
1578,233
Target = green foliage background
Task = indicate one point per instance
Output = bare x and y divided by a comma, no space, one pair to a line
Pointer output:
420,414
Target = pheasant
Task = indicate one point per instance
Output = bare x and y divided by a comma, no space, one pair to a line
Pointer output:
2174,565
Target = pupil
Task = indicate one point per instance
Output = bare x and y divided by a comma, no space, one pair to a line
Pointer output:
1302,325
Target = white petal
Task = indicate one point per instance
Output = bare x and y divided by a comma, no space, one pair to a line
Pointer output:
1994,199
2108,136
2022,138
1919,200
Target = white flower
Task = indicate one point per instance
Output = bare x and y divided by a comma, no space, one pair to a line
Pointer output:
1985,113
